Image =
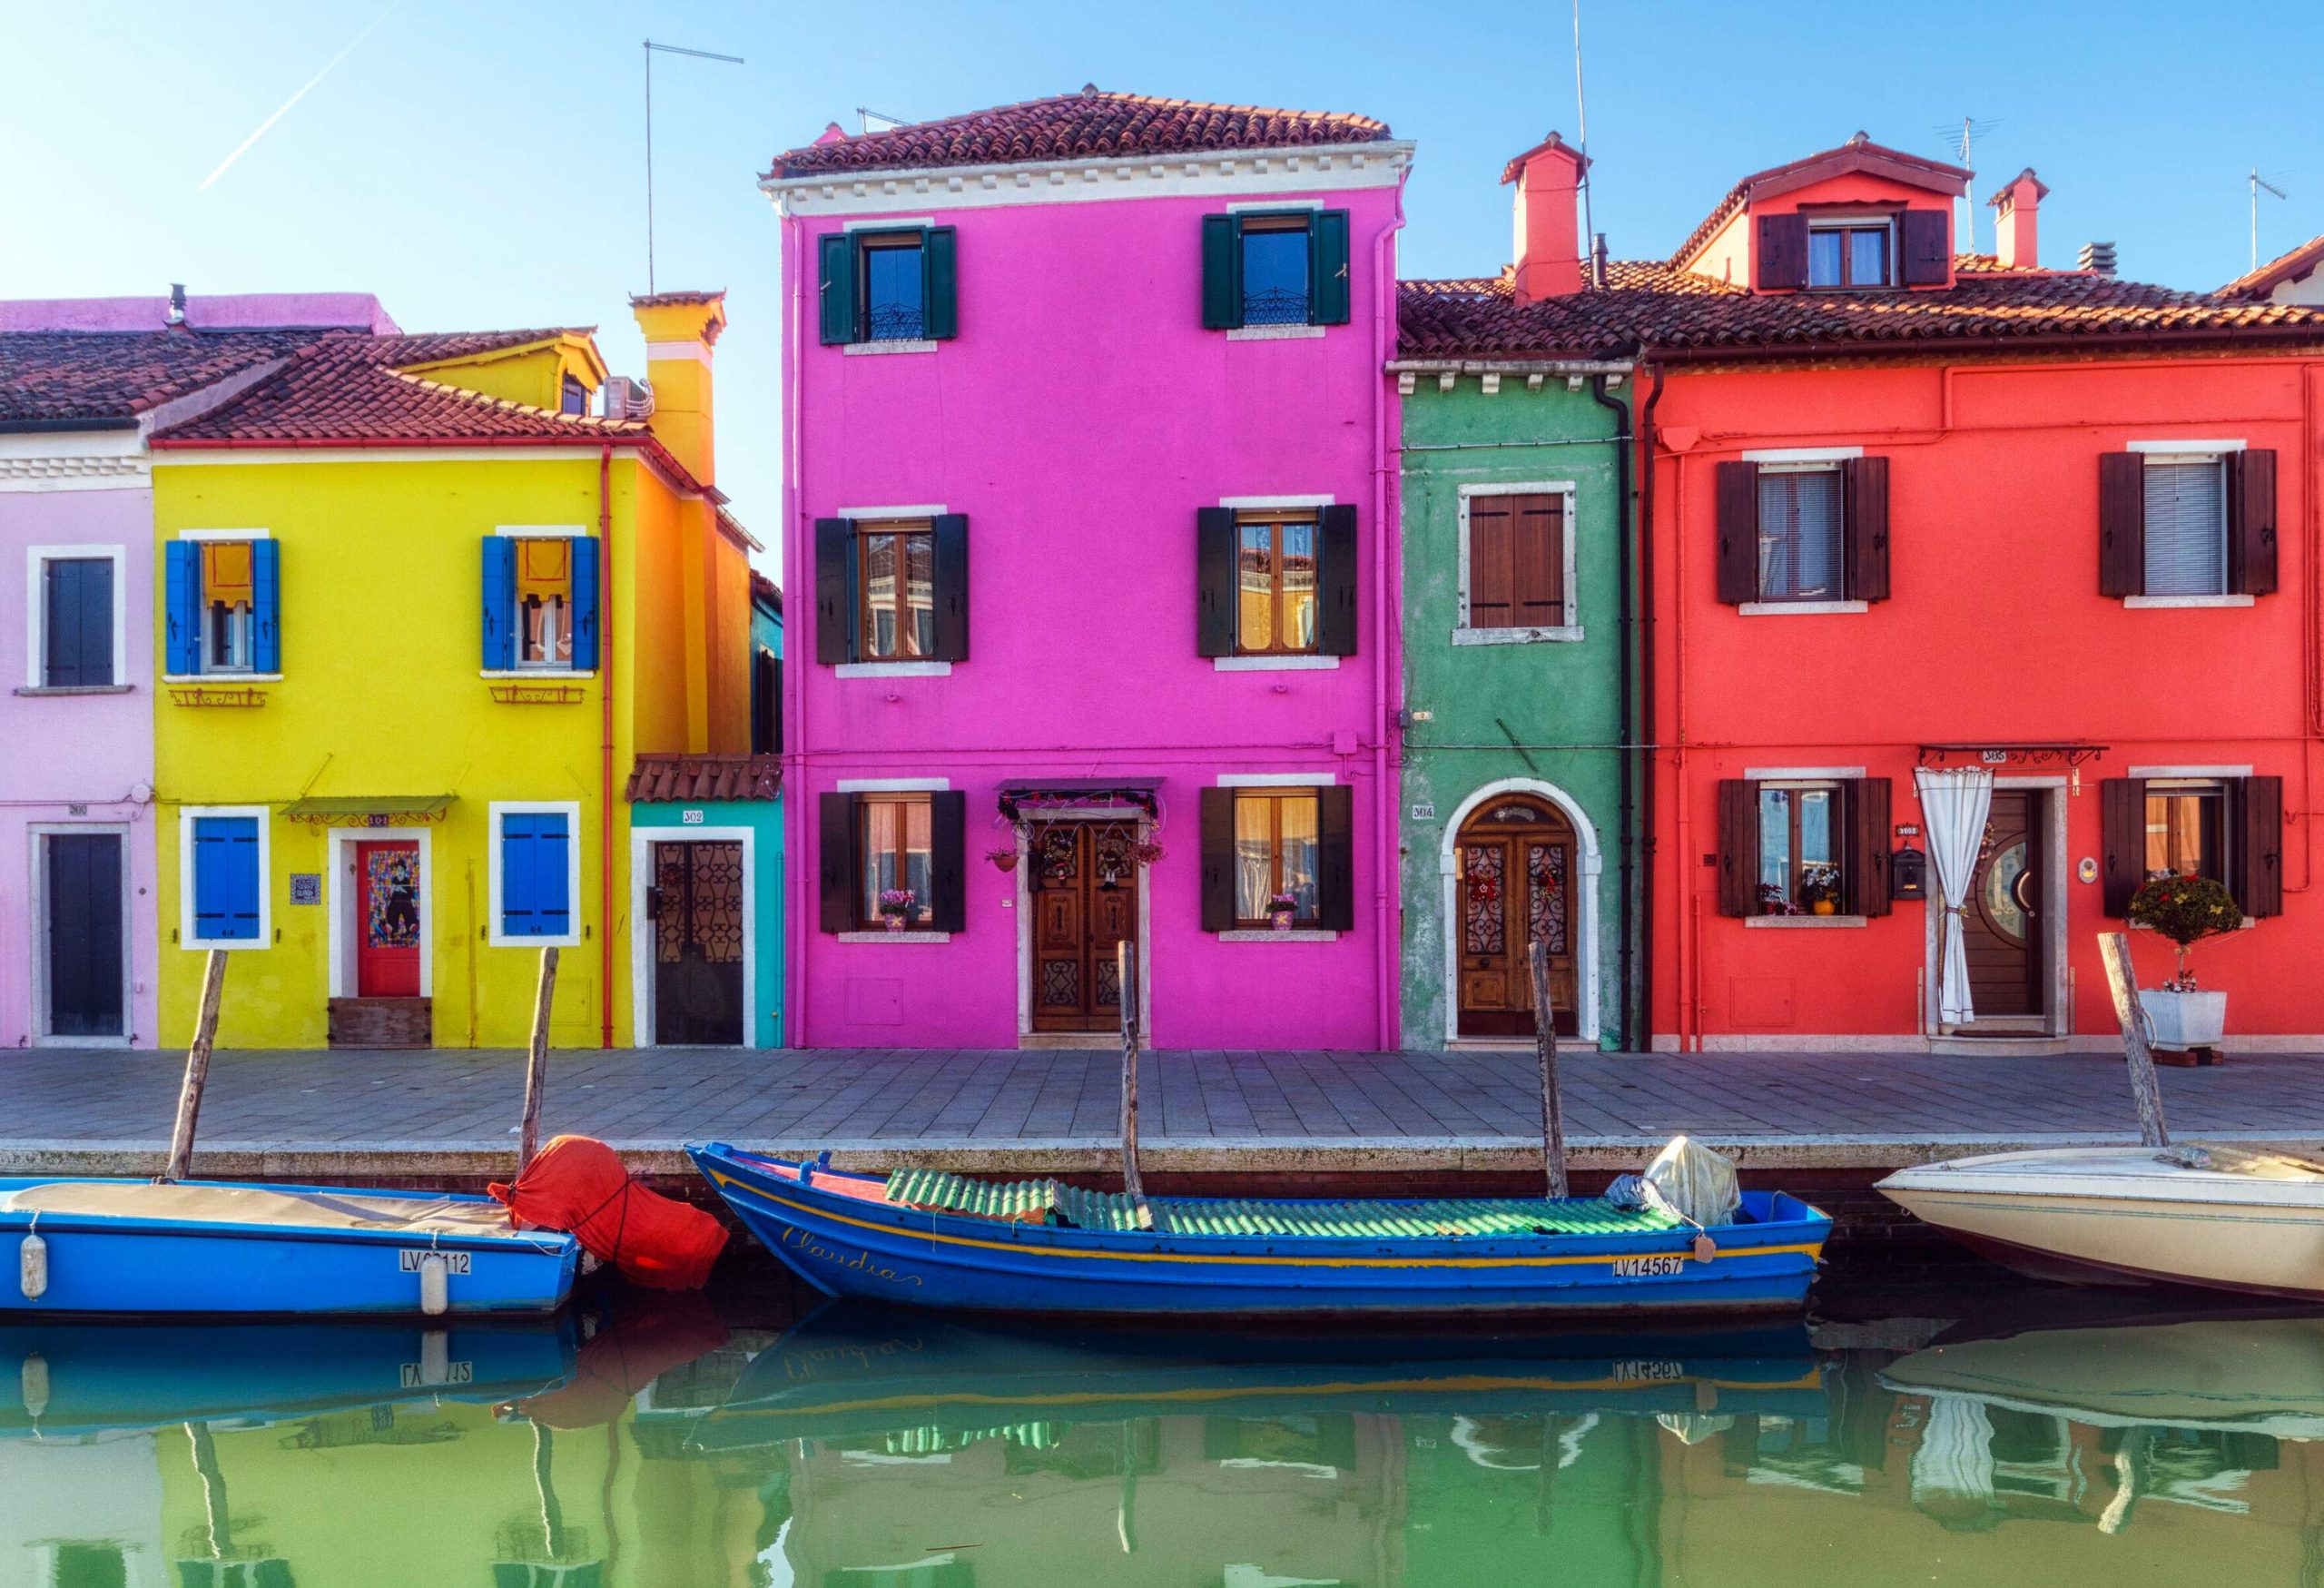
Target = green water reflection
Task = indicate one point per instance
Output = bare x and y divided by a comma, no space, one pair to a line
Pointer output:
669,1450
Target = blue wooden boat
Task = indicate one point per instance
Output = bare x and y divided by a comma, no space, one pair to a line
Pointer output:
924,1239
218,1246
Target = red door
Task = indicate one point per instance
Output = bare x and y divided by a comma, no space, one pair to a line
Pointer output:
387,910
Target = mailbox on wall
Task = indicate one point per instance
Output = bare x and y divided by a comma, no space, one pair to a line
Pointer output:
1909,874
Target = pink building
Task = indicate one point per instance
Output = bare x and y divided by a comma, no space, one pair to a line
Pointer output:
1088,466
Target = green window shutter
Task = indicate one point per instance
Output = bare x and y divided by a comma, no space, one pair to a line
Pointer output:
838,290
1222,290
940,277
1327,294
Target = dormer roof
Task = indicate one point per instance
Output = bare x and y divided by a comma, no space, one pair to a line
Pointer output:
1860,154
2296,265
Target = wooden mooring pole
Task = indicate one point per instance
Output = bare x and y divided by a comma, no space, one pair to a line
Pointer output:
2121,981
197,1069
1125,981
528,1136
1545,1037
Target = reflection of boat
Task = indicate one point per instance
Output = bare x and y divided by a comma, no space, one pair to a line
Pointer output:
2218,1216
2242,1375
930,1240
853,1370
86,1378
215,1247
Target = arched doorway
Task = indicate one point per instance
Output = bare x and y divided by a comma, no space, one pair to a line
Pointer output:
1516,872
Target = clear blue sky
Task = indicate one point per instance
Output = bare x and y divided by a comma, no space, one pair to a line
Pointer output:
481,164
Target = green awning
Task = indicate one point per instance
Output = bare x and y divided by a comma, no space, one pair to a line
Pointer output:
411,807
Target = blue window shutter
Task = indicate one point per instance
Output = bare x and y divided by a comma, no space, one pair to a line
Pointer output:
182,615
225,879
266,606
584,603
550,844
536,899
518,911
499,603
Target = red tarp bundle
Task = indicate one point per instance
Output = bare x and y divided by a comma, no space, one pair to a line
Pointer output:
578,1184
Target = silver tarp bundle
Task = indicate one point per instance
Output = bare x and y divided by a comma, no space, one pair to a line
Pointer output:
1687,1181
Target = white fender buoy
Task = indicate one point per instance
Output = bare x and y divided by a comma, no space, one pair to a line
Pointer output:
32,1267
435,1285
435,1357
35,1385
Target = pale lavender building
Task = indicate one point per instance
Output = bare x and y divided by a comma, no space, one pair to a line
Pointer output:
1090,468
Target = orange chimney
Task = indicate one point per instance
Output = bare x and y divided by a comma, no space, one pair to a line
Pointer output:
2016,210
1548,233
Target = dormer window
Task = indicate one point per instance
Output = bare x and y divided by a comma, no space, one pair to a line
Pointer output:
1855,251
572,398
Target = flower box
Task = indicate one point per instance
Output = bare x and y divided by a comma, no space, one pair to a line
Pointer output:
2179,1021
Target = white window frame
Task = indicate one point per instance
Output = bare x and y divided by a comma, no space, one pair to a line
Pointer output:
2170,453
1858,221
522,668
1802,461
1568,629
187,939
36,561
571,811
204,669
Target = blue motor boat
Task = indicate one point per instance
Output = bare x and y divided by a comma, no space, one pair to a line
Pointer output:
216,1246
924,1239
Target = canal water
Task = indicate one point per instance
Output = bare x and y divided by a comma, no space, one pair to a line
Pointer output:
1981,1432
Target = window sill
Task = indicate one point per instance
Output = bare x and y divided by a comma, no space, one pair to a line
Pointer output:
221,680
1275,664
1800,608
896,937
1268,934
205,944
900,345
1272,333
498,941
892,670
1561,633
2167,603
35,689
1808,923
535,675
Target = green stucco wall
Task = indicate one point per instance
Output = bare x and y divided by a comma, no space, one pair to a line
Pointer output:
1544,711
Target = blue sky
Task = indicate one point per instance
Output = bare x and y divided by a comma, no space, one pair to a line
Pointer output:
481,164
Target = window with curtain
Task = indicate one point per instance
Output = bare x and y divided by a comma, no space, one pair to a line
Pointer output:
1852,254
1275,585
1276,833
544,602
1799,534
896,586
2186,829
228,590
1799,844
897,847
2186,527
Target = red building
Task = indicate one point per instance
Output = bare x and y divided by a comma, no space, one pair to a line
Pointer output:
1906,509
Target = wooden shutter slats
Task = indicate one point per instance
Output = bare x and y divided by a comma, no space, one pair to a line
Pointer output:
589,595
1783,252
1864,483
1869,816
2259,839
1338,582
1537,562
1214,592
834,591
1217,859
948,870
2252,522
952,569
1491,581
1222,286
835,287
1927,239
266,606
2122,819
499,576
1737,492
835,862
1738,846
2121,524
1335,858
181,577
939,282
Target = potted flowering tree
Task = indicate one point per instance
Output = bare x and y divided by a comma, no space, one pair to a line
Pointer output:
1820,889
1282,909
2186,910
898,908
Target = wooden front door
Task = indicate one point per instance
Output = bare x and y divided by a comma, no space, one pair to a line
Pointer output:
81,886
696,904
1084,888
386,914
2002,927
1515,884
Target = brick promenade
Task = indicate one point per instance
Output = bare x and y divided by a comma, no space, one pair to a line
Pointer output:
445,1113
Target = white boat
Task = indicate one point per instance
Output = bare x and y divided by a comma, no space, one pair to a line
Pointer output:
2224,1217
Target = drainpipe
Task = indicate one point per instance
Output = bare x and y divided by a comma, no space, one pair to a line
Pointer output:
796,556
1649,715
1627,730
606,745
1387,664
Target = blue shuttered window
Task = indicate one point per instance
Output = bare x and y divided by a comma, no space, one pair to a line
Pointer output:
499,603
563,613
226,880
182,598
584,605
266,606
536,877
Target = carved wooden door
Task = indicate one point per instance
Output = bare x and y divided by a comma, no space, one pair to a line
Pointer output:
1084,887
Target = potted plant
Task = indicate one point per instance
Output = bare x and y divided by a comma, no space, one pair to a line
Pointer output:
2179,1015
1282,909
1147,851
1820,889
899,907
1003,855
1774,901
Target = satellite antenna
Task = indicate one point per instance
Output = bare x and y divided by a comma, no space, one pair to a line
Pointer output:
2259,181
652,49
1961,141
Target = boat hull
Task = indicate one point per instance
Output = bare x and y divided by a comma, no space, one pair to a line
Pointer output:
111,1265
876,1251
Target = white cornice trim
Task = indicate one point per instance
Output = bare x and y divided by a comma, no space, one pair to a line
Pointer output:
451,452
1327,168
49,468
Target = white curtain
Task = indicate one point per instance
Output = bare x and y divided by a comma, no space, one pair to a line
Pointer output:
1954,803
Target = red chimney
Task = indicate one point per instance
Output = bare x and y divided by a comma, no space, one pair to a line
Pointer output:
2016,210
1548,233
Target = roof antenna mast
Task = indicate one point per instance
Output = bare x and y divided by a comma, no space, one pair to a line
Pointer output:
651,50
1963,139
2259,181
1582,135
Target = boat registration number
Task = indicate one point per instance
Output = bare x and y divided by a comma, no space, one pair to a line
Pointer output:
415,1374
408,1260
1648,1268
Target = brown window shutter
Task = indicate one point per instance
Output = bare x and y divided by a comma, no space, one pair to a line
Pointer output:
1738,846
1491,543
1537,561
2122,819
2251,523
1864,481
835,862
948,867
1783,252
834,591
1866,875
1214,589
1335,858
1339,585
1739,532
1218,860
1927,238
2260,843
951,570
2121,524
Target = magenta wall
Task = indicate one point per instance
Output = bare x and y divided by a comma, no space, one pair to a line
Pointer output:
1080,419
59,751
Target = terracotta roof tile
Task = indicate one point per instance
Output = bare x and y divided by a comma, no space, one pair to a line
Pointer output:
1090,125
685,779
1856,152
55,377
2303,261
765,591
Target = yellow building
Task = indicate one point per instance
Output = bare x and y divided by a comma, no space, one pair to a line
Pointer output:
422,614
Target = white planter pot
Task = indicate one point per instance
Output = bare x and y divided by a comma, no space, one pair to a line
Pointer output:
2180,1020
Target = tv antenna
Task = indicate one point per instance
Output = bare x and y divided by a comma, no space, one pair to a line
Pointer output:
865,116
2258,183
1962,140
1581,144
652,49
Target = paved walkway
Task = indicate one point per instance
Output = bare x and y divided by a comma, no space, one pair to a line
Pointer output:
444,1112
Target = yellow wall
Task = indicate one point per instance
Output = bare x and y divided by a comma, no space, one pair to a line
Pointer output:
533,374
